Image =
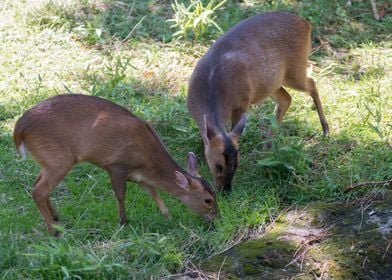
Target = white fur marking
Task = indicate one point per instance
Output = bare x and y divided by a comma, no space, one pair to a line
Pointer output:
22,151
137,178
230,55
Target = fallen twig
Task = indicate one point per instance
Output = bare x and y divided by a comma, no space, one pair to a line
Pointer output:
386,250
133,29
364,262
192,272
363,209
362,214
371,183
303,249
323,44
374,10
219,272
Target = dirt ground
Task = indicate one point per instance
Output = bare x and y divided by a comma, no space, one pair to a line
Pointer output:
320,241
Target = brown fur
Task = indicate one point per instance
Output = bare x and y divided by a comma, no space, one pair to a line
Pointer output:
71,128
252,61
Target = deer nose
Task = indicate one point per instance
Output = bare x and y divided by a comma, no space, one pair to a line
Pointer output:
223,184
211,216
219,183
227,187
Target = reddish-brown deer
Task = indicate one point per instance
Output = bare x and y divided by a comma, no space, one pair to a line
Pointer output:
254,60
71,128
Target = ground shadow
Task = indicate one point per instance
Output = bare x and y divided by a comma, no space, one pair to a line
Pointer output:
322,240
336,25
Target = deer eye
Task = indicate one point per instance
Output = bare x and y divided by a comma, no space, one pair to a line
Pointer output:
219,167
208,200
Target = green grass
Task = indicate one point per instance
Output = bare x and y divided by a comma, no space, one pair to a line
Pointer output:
125,51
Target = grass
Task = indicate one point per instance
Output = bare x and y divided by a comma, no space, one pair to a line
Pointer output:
125,51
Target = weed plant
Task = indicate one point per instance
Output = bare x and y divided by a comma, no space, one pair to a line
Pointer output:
193,21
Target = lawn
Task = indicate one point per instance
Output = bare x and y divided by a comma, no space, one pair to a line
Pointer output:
140,54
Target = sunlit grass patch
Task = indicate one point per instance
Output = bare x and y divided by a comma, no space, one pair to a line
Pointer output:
37,64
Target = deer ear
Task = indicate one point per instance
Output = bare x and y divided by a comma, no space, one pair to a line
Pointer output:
238,128
181,180
192,165
207,131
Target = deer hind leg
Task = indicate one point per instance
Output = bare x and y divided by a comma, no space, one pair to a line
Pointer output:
309,86
52,210
49,204
119,184
312,90
46,181
283,101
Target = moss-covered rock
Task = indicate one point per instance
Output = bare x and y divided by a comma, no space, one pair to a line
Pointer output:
322,240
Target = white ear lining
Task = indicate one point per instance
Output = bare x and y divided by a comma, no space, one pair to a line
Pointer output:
192,164
181,180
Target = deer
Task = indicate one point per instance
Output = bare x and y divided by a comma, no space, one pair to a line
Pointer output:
69,129
256,59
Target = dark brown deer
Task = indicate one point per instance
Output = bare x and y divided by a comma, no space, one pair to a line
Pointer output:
68,129
254,60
